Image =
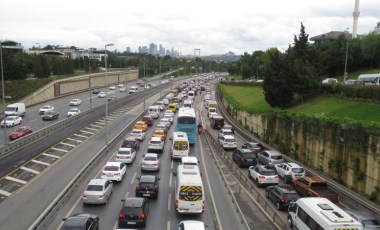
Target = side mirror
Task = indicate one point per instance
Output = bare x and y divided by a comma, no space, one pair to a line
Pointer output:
175,173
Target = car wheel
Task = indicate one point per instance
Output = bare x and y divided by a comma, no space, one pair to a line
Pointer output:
278,205
290,222
257,183
249,174
266,194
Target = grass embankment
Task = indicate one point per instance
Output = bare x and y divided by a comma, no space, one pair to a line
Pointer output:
251,99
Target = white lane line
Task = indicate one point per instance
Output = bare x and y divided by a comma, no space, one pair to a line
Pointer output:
71,139
115,225
133,178
171,165
83,131
92,129
126,195
209,185
170,180
100,122
51,155
168,225
5,193
61,150
30,170
80,135
41,162
63,143
15,180
169,201
97,126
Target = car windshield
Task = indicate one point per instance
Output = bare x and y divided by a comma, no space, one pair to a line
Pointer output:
298,170
124,152
111,168
20,130
248,154
371,223
155,142
146,184
268,173
290,196
150,159
94,188
10,109
73,110
10,118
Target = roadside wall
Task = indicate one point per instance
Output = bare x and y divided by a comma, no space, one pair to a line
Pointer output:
350,155
68,86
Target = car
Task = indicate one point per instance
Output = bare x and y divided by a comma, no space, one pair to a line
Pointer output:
97,191
168,112
166,101
46,108
191,225
111,98
102,94
141,125
330,81
228,142
51,115
125,155
123,89
160,104
137,133
114,171
112,87
73,112
156,144
263,175
11,121
150,162
224,132
368,221
169,117
131,142
148,120
133,213
147,186
253,146
75,102
244,157
212,114
290,171
19,132
162,126
95,91
159,133
282,195
120,85
270,157
81,221
166,122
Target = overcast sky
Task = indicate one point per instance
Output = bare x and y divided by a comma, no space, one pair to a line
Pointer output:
214,26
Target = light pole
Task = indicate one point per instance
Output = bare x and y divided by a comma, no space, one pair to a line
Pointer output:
144,67
3,91
345,74
89,77
105,63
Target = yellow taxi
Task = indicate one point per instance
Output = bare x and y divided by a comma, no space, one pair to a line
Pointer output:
141,125
159,133
172,107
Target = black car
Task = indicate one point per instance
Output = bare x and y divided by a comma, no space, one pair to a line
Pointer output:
81,221
282,195
253,146
95,91
147,186
50,115
133,212
245,157
111,98
131,142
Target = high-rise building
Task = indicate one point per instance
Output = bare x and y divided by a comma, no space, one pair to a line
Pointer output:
128,49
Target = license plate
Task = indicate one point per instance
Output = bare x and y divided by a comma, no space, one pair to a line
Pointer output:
110,174
249,160
270,178
131,222
146,194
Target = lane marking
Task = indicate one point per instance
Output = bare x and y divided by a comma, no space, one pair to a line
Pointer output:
126,195
78,135
170,179
5,193
133,178
172,164
91,129
15,180
71,139
70,145
115,226
168,225
61,150
97,126
30,170
51,155
41,162
86,132
169,201
100,122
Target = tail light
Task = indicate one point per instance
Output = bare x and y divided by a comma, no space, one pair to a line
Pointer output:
276,177
84,195
141,216
261,177
242,159
103,173
122,216
155,187
117,157
283,201
101,196
116,174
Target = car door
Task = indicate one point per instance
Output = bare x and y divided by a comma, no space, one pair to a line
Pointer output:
123,168
108,186
281,170
256,172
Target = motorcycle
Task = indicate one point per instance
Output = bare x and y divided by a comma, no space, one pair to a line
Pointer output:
200,128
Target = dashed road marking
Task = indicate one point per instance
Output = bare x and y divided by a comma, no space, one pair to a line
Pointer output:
30,170
100,122
87,132
63,143
97,126
71,139
15,180
51,155
169,201
61,150
78,135
40,162
92,129
133,178
5,193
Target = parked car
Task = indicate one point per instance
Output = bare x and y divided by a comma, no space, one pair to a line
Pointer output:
73,112
97,191
368,221
102,94
114,171
46,108
253,146
263,175
147,186
270,157
19,132
51,115
120,85
282,195
141,125
148,120
125,155
75,102
112,87
228,142
290,171
133,213
11,121
227,126
315,187
81,221
244,157
150,162
131,142
137,133
123,89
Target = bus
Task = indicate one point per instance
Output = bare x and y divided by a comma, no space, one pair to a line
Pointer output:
187,122
315,213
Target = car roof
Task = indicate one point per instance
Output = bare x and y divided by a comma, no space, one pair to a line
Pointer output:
137,130
125,149
133,202
147,178
272,152
265,168
245,150
286,188
131,138
155,138
229,137
293,165
151,155
97,181
112,163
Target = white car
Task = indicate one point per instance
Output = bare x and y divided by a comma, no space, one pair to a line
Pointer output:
210,115
114,171
166,101
46,108
122,89
125,155
102,94
168,112
160,104
156,144
228,142
120,85
73,112
150,162
263,175
112,87
138,133
290,171
11,121
75,102
166,122
170,117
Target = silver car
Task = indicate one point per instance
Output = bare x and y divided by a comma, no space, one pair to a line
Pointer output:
97,191
150,162
270,157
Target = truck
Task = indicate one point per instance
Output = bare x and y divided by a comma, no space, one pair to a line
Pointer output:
314,187
15,109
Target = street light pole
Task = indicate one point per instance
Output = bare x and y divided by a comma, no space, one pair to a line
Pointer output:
345,74
3,91
89,77
105,63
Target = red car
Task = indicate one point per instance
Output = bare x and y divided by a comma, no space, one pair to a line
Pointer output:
20,132
148,120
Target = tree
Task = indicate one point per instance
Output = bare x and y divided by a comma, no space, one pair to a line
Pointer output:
370,47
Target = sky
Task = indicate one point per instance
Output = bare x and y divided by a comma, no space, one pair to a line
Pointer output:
214,27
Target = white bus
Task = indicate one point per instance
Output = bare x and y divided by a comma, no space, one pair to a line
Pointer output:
180,146
370,79
313,213
189,191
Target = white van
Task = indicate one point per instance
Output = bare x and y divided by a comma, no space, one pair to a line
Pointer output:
191,94
180,146
370,79
154,111
16,109
319,213
189,191
188,103
133,89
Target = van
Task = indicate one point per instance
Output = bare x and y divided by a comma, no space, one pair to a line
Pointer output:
216,122
211,110
172,107
133,89
154,111
191,94
16,109
370,79
188,103
180,146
